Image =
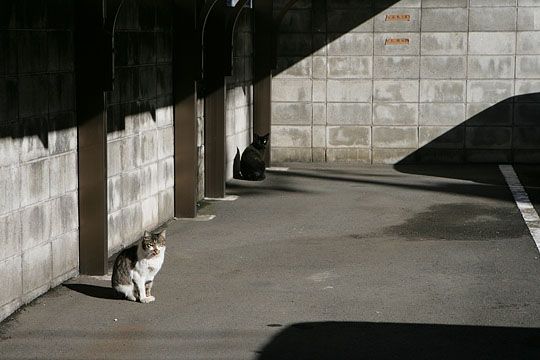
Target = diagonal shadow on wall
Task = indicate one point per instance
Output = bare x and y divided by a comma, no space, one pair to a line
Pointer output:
505,132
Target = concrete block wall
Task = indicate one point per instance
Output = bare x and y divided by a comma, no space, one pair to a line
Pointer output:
410,80
140,178
39,246
239,95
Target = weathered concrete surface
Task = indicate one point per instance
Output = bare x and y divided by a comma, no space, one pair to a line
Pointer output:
423,245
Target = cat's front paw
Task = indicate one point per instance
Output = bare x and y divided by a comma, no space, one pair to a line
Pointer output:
148,299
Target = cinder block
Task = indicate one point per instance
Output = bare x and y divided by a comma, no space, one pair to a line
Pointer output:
492,43
437,156
165,142
319,67
149,146
319,154
350,20
319,114
34,182
11,271
290,44
488,137
491,3
383,24
499,114
291,136
489,90
319,90
349,90
150,212
445,137
527,91
441,114
351,44
383,48
60,50
285,155
527,42
294,67
65,254
62,133
348,136
296,20
164,116
362,156
527,114
9,151
397,4
444,43
149,184
132,223
114,157
34,142
11,230
395,90
64,214
32,51
528,67
526,137
395,137
130,187
166,205
36,267
291,90
63,174
115,232
392,156
491,67
61,92
145,117
114,193
496,156
443,67
528,156
444,3
33,95
395,114
319,136
492,19
396,67
349,113
527,18
291,113
442,91
10,189
445,20
349,67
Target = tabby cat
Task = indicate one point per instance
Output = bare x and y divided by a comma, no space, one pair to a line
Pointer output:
251,167
135,267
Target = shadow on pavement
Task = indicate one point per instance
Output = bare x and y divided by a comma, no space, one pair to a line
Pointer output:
362,340
100,292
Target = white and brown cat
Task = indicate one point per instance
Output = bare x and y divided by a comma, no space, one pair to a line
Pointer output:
135,267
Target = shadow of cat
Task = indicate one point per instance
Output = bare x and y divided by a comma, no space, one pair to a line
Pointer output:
100,292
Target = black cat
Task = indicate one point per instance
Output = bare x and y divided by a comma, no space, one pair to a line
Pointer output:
251,167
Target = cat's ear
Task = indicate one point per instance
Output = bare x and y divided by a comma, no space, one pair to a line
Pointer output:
162,234
147,235
256,136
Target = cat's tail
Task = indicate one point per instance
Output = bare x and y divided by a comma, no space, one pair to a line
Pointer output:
237,174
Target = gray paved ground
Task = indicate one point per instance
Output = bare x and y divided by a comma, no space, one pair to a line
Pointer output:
319,263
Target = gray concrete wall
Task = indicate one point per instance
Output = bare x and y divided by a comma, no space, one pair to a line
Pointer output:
38,142
239,96
140,119
348,88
